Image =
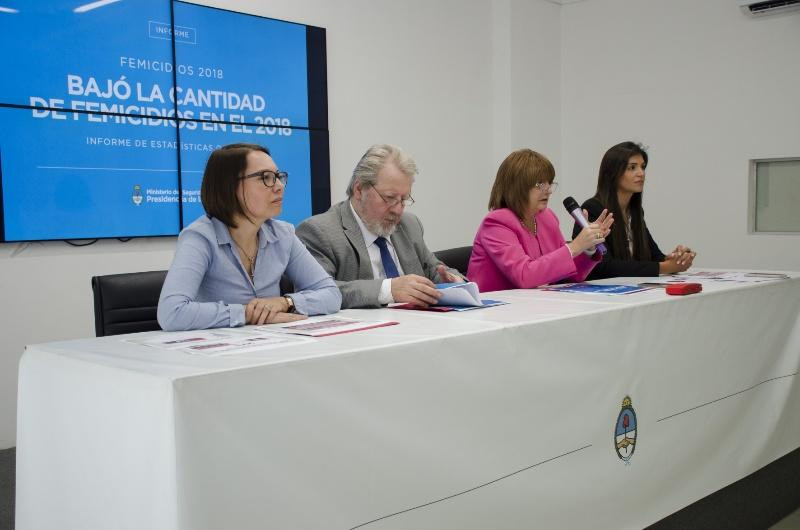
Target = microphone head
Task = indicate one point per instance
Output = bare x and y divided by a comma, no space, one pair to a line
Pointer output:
571,204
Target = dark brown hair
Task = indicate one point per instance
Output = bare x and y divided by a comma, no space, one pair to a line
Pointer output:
224,168
612,167
519,172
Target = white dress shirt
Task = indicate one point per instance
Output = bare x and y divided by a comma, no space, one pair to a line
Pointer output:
385,296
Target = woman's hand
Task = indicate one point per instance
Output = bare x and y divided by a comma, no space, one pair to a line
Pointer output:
593,234
678,260
271,310
683,255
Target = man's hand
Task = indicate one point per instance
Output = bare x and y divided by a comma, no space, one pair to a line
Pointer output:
414,289
446,276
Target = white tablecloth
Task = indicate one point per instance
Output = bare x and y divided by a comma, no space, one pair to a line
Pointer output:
497,418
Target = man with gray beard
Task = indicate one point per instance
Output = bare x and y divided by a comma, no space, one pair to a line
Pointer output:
371,246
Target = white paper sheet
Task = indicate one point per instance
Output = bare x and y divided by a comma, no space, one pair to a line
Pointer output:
459,294
723,276
218,341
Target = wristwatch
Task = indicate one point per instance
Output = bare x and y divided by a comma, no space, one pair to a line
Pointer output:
290,302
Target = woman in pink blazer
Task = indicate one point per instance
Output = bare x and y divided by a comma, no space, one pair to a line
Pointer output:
519,244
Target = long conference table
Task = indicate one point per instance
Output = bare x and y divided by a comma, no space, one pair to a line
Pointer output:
557,410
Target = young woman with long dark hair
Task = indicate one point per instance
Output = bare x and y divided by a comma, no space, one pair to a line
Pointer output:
632,251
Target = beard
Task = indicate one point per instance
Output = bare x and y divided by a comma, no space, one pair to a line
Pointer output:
382,228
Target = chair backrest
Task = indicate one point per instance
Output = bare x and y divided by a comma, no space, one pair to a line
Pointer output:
456,258
126,303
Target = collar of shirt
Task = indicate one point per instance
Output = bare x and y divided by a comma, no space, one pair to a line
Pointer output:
267,235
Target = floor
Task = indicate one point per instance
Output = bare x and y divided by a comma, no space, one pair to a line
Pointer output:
790,522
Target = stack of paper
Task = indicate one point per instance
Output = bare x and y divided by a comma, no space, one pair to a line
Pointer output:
466,294
455,297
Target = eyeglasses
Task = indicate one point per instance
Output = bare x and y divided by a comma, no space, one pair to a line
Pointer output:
544,187
391,202
268,177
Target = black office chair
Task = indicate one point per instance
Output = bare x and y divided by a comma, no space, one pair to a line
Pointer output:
456,258
126,303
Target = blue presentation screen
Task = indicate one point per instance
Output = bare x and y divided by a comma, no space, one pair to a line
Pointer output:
110,110
68,176
240,68
54,54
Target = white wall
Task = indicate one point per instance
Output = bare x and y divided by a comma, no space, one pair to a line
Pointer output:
536,81
433,77
707,88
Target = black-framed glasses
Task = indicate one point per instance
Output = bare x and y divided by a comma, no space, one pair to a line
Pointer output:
391,202
268,177
544,187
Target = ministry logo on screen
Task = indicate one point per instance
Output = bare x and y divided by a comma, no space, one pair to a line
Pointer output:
137,195
625,431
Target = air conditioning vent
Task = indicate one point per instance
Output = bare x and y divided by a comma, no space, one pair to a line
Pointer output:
768,7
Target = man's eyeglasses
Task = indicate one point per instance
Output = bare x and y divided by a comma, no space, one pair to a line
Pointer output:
391,202
269,177
544,187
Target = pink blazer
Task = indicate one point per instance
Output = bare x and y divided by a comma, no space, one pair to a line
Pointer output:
505,255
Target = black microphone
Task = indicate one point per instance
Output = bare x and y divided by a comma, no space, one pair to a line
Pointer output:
575,211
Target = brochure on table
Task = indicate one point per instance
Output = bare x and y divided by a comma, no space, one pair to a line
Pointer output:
322,326
466,294
595,288
219,341
455,297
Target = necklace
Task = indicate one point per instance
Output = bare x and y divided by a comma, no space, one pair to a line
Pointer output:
531,225
251,269
629,234
628,229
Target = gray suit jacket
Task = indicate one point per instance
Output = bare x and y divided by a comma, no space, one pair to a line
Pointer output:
334,239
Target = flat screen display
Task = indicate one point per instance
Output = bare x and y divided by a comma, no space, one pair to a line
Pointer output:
112,108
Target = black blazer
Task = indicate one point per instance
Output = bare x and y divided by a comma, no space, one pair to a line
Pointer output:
611,266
